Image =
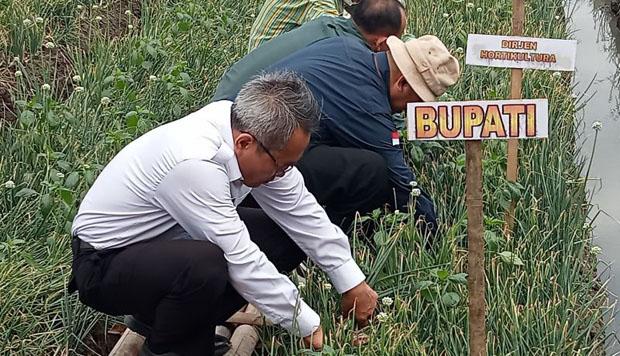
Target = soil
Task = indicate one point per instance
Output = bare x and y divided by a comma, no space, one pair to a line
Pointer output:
102,341
60,74
114,21
56,65
7,86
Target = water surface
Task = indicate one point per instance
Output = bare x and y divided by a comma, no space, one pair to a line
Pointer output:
598,67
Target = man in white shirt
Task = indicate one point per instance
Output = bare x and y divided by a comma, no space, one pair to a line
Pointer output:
159,233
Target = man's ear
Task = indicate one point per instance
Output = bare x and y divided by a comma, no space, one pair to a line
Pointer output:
243,141
380,44
402,83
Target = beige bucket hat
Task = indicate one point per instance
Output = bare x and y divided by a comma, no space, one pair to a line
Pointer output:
426,64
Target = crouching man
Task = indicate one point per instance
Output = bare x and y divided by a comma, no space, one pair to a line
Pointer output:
159,234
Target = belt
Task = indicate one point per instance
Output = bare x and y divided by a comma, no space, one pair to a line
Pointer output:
83,245
86,246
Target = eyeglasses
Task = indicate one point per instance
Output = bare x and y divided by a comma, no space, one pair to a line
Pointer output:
279,171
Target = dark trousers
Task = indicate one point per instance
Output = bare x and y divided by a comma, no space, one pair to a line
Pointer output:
346,180
179,287
349,180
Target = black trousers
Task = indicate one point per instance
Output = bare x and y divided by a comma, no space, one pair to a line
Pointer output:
179,287
349,180
346,180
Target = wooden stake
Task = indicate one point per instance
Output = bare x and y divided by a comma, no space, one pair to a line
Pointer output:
516,81
475,257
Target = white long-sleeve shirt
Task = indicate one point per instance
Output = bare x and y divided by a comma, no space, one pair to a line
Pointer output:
184,176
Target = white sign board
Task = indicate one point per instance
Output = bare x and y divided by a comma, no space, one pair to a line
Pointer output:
478,120
521,52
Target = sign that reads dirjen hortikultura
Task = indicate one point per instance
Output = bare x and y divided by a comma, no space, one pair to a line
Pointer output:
521,52
478,120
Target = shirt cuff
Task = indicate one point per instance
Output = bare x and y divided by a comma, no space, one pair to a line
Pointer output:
305,322
346,276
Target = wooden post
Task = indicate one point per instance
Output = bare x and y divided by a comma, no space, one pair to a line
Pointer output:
476,280
516,80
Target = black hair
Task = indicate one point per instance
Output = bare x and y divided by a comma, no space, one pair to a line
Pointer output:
379,16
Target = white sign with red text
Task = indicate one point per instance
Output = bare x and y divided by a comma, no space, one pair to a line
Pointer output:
521,52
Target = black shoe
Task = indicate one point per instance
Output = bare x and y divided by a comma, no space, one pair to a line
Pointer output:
222,345
145,351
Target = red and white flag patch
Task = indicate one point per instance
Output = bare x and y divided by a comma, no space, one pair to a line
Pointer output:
395,138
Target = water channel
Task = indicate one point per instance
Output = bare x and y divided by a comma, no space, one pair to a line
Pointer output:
598,76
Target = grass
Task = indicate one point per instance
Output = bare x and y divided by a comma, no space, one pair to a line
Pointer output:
542,294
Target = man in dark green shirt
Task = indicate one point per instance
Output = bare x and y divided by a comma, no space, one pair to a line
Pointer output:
372,22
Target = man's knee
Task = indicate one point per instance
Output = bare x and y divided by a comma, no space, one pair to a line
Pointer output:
374,169
373,185
206,269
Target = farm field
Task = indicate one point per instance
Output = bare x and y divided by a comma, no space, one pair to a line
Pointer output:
81,79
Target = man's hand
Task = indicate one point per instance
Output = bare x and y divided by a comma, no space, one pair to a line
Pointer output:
364,299
314,340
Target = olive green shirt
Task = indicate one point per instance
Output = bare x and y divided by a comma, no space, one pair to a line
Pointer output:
280,47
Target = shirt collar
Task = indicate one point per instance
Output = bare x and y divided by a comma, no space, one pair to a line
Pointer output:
384,67
351,27
222,122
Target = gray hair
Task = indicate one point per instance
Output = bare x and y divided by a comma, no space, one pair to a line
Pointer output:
272,106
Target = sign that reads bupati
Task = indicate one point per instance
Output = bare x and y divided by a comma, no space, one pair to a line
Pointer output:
521,52
478,120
